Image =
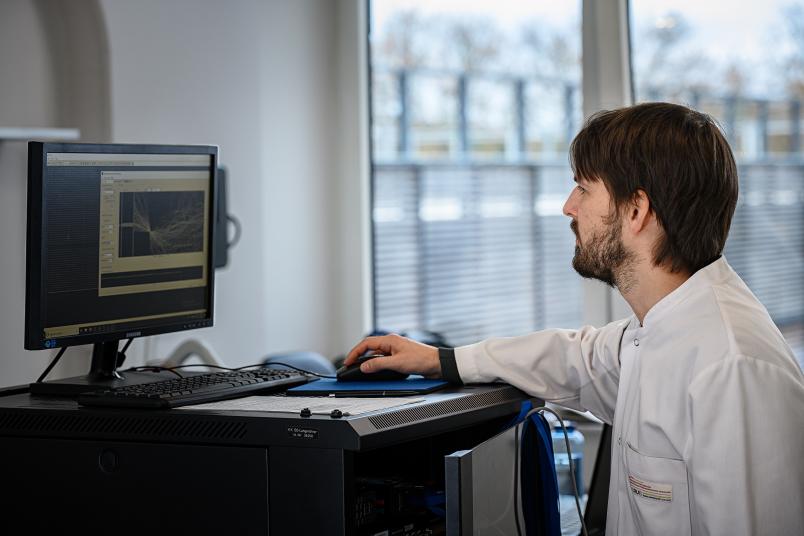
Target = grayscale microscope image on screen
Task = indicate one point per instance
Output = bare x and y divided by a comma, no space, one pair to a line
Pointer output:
161,223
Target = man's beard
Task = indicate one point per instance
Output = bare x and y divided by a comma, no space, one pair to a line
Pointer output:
604,256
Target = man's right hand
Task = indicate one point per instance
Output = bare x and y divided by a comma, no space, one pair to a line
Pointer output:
399,353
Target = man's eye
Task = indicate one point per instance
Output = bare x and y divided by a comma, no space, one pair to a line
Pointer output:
580,189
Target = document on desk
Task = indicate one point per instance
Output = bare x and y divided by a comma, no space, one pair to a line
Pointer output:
318,405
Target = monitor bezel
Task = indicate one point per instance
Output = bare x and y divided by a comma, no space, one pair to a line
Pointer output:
34,278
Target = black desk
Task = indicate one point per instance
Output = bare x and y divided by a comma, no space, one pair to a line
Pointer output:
95,470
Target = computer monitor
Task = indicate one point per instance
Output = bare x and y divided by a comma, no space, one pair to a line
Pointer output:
120,245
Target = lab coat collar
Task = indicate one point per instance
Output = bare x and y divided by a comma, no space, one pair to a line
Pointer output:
711,274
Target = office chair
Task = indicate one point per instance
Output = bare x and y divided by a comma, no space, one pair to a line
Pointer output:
188,349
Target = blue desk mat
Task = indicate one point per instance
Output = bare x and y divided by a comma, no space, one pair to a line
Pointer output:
414,385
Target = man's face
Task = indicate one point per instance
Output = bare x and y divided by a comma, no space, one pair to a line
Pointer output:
599,249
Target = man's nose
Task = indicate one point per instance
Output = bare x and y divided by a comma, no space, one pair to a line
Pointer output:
569,206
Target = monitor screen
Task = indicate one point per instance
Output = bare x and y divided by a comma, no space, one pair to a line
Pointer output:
120,241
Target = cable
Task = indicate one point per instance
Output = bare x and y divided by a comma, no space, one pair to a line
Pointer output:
156,368
571,465
238,230
121,354
151,368
294,367
125,346
516,478
261,365
204,365
52,364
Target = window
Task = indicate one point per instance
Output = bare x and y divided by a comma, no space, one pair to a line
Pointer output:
473,109
745,67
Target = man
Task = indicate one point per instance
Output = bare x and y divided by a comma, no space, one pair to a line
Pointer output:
704,395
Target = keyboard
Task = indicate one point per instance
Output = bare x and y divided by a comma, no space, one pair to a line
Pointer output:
196,389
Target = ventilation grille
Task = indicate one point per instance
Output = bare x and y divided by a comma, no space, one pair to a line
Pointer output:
445,407
85,425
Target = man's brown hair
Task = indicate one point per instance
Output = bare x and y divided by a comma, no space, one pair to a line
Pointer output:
680,159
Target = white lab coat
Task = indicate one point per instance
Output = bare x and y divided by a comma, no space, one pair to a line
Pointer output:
705,398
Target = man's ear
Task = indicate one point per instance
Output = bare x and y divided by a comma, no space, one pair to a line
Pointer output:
640,212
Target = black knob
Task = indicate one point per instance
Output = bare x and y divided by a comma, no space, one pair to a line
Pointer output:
108,461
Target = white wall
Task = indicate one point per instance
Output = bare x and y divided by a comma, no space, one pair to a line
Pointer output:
32,83
268,82
260,80
53,73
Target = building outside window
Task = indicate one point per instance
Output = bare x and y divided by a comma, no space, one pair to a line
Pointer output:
473,107
745,67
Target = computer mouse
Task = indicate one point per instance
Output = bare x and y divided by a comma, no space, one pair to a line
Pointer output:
352,373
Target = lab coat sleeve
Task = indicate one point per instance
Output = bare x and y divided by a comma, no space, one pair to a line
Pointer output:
579,369
745,449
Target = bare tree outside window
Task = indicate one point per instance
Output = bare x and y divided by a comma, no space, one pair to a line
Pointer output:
473,110
473,107
792,64
746,70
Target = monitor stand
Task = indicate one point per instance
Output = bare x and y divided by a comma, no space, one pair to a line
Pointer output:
103,374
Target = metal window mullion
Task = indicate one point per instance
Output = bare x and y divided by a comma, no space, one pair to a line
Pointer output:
695,99
801,245
606,84
569,91
520,114
422,253
472,215
404,114
795,123
730,118
762,118
538,260
463,118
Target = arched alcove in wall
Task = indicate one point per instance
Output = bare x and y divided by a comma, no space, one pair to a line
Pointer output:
79,56
54,72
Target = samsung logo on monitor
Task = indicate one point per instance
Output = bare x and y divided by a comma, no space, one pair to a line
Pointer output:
133,334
